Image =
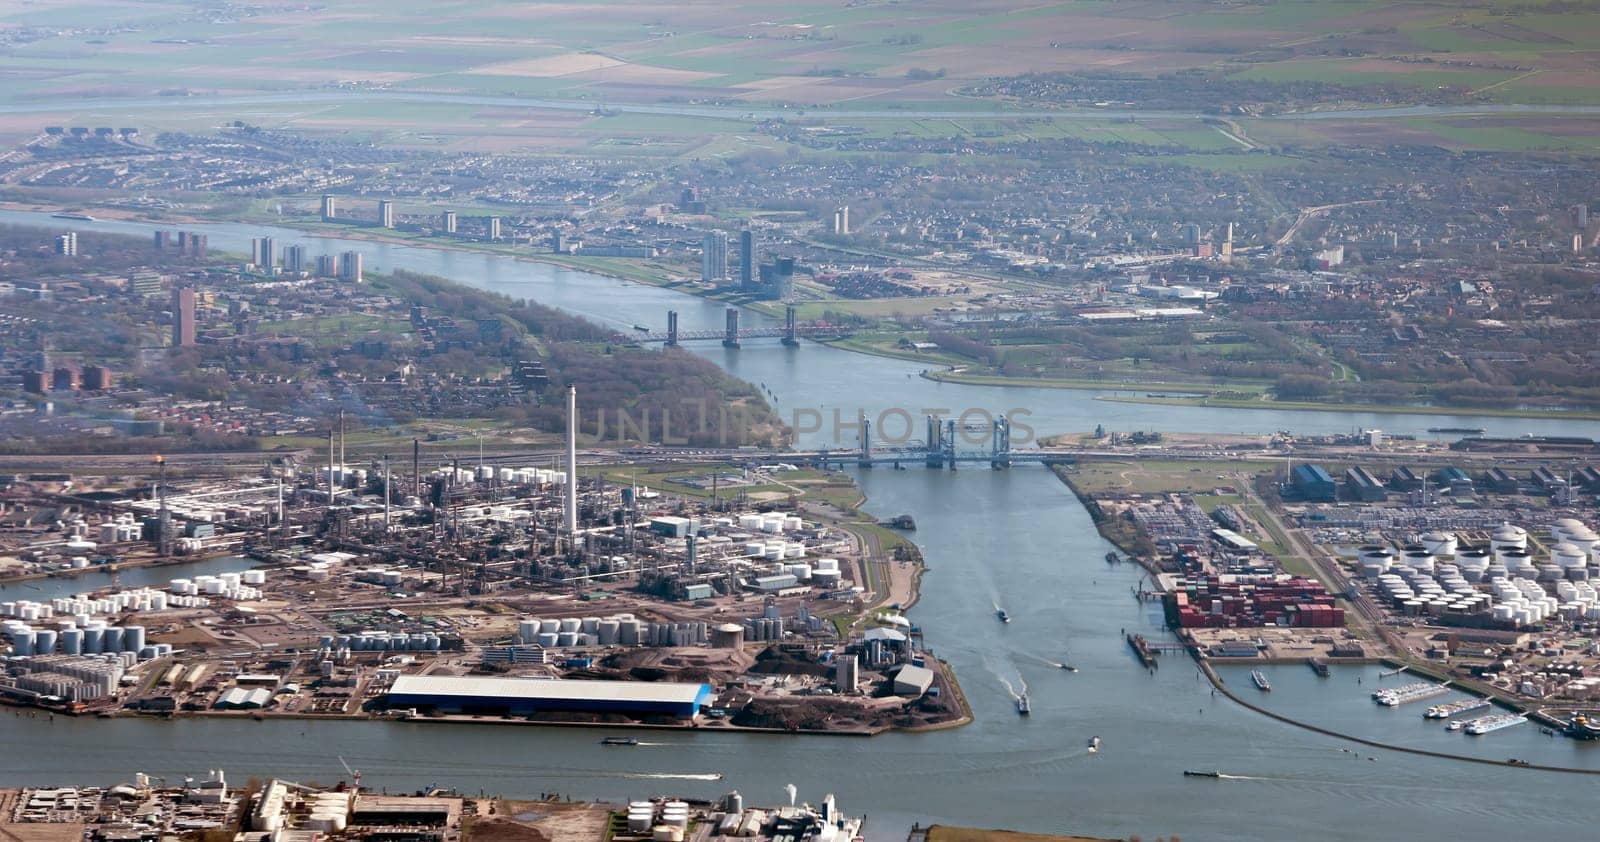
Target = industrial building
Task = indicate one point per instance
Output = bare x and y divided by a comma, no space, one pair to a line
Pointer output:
1404,479
1500,481
524,696
1314,483
1456,480
1364,486
912,680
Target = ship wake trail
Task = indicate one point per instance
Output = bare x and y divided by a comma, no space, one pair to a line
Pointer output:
671,776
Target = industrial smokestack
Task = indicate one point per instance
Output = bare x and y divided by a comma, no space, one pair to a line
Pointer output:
571,512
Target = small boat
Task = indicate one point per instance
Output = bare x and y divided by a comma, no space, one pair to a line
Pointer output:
1260,679
1069,667
1001,613
620,741
1191,773
1023,708
1094,744
1456,724
73,215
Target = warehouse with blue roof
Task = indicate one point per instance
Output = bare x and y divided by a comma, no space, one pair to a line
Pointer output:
1313,483
520,696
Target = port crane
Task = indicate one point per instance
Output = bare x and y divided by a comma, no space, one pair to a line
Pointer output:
355,774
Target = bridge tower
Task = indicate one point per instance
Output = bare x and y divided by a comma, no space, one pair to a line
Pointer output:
1000,444
866,440
789,338
730,336
950,443
933,452
672,328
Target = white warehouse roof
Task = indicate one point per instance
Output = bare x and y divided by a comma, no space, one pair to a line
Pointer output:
544,688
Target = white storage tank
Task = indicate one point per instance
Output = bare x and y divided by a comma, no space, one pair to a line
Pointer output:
1421,560
1517,561
1507,536
1439,543
1567,555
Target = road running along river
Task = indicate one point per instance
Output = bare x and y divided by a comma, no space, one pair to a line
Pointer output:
1015,538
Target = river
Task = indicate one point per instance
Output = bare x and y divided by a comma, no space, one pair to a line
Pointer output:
716,112
1015,538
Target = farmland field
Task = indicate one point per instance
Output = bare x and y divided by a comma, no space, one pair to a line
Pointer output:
828,59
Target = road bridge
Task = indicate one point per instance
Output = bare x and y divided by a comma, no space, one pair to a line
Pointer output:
731,333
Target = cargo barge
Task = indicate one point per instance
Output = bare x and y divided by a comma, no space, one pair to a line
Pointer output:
1319,666
1408,693
1490,724
1449,709
1141,647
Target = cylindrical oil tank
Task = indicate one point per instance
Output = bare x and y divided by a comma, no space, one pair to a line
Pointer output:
1567,555
22,643
727,636
607,632
1516,560
1507,535
1440,543
571,624
1420,560
72,641
132,638
666,833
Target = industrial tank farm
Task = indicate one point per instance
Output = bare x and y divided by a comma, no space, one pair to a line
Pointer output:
649,591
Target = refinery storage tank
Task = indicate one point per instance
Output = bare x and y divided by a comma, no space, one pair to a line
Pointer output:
1517,561
727,636
1375,561
1564,526
1439,543
1507,536
1420,560
1566,555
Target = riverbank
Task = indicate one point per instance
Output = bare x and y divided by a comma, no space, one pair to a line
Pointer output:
1223,688
1377,409
117,567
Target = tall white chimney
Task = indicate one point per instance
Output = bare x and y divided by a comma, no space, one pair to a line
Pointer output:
571,512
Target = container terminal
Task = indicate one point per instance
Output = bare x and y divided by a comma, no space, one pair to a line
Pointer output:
1464,563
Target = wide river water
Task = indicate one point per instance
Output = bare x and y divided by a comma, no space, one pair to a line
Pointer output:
1017,539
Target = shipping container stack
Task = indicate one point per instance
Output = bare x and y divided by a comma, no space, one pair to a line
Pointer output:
1208,602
